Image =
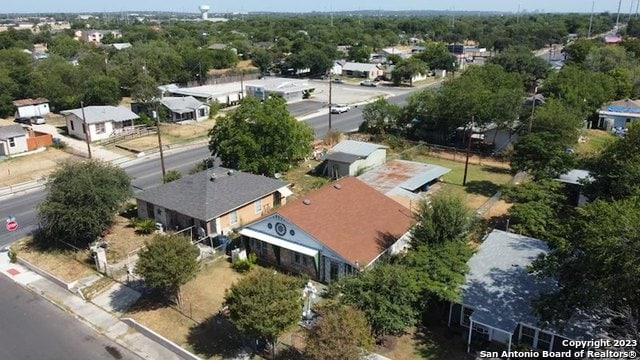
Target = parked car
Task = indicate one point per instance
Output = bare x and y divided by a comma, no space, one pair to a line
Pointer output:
38,120
23,120
339,109
338,81
368,83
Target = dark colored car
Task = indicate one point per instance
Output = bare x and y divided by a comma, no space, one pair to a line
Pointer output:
23,120
338,81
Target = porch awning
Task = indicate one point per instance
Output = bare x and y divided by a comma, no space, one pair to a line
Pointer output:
279,242
285,191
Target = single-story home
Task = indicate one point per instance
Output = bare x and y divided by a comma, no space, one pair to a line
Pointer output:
102,121
336,69
618,114
31,107
288,89
404,181
121,46
224,94
351,158
330,232
498,294
362,70
13,139
388,74
183,108
217,200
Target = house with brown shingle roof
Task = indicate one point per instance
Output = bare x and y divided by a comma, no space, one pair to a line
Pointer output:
338,229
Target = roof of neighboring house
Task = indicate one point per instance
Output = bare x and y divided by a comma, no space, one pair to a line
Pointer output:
181,104
13,130
400,177
500,289
351,218
342,157
622,106
25,102
120,46
357,148
217,46
202,198
279,84
575,177
353,66
612,39
100,114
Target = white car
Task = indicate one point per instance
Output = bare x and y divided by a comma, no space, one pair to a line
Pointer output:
339,109
38,120
368,83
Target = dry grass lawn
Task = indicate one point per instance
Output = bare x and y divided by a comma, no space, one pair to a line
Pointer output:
171,134
301,180
428,344
594,141
123,239
32,167
202,298
65,264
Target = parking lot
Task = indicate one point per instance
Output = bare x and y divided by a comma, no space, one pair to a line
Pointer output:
349,93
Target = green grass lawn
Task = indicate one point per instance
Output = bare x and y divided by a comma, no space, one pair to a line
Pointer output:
596,140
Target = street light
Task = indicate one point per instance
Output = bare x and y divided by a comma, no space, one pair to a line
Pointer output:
309,293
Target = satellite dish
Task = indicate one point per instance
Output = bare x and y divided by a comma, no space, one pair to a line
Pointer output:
201,233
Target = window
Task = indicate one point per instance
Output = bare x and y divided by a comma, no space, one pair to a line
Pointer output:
296,258
544,341
100,128
527,335
73,128
258,206
12,142
201,112
233,217
466,314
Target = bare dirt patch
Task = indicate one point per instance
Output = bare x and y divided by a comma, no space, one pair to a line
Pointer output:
499,209
67,265
32,167
430,344
171,134
122,239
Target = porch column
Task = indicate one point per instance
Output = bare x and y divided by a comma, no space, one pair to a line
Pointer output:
469,338
509,348
450,309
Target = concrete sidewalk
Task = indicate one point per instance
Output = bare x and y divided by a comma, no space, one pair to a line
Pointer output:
100,320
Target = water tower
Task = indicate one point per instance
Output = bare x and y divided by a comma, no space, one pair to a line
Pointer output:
204,9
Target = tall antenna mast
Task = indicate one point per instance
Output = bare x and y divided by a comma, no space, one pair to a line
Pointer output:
591,18
518,15
630,11
618,17
637,6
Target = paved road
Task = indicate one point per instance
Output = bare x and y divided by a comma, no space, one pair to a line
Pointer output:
144,175
33,328
351,120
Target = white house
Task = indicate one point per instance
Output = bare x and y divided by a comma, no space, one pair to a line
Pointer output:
618,114
31,107
13,140
95,36
102,121
288,89
185,108
363,70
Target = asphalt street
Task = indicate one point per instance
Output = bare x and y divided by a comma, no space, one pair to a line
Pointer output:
144,174
33,328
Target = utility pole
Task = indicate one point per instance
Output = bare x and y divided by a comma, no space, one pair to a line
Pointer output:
86,129
533,108
630,11
466,162
157,117
330,102
637,7
518,15
591,18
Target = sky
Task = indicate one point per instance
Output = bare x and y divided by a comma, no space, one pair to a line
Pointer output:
225,6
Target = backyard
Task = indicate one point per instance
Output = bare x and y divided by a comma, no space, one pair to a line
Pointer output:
32,167
593,141
172,134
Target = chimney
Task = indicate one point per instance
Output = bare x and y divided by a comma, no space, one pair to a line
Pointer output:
212,177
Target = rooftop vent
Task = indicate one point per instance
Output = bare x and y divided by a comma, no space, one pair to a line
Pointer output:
306,202
212,177
337,186
230,172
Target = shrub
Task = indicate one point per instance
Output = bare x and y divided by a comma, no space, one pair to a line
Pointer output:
133,222
145,227
59,144
171,175
13,257
243,266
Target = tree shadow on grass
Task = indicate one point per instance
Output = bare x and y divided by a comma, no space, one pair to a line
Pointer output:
496,170
439,342
217,336
481,187
151,300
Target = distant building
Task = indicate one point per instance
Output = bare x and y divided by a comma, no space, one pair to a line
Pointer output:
185,108
121,46
31,107
102,121
618,114
351,158
286,88
362,70
95,36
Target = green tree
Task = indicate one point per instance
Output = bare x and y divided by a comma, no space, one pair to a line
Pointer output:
64,45
616,170
360,53
408,69
542,154
168,262
265,304
260,137
81,201
558,118
386,294
341,333
102,90
522,61
444,218
145,89
8,89
579,50
379,117
262,59
437,56
171,175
